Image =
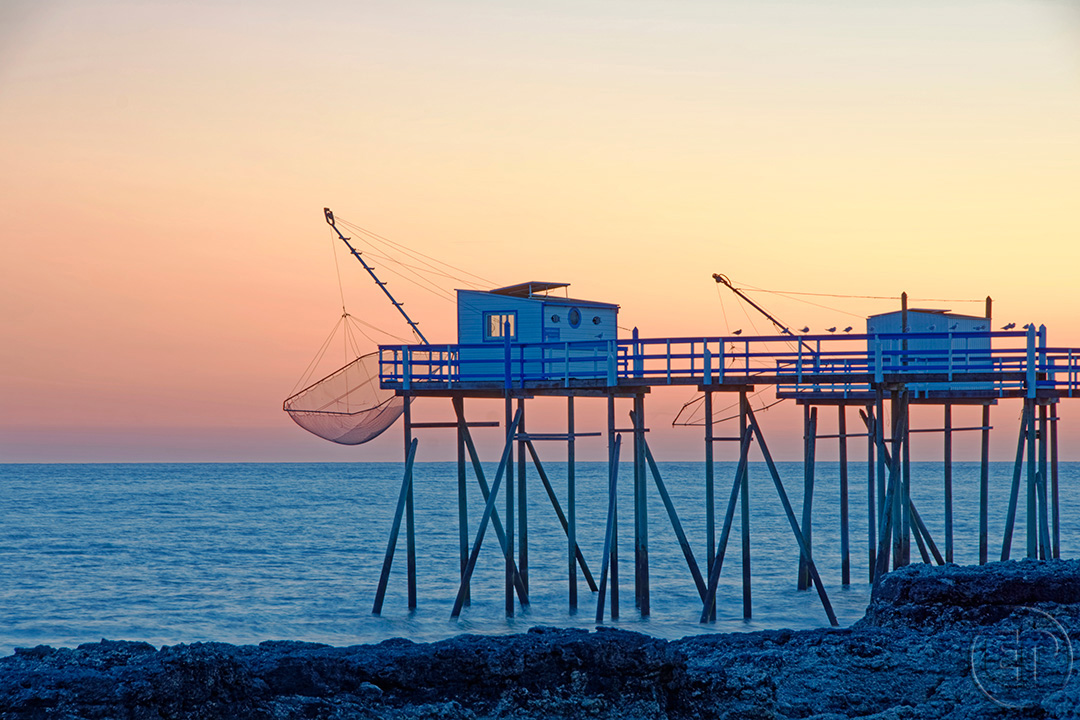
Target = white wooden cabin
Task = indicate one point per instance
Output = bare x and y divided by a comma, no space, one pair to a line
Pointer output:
970,353
529,314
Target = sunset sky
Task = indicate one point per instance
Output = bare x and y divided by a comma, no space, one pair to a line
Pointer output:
166,274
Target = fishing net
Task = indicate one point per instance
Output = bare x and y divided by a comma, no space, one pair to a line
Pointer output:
347,407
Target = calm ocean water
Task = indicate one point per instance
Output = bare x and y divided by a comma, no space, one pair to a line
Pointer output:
241,553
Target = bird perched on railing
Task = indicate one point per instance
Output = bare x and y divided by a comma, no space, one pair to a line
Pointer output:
805,329
832,329
847,329
1010,326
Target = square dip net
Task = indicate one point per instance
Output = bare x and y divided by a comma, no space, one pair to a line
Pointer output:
347,407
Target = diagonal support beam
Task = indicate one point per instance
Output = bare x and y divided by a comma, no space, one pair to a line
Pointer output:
613,482
559,512
791,517
709,601
1010,520
676,525
478,470
922,533
395,528
921,529
887,514
488,510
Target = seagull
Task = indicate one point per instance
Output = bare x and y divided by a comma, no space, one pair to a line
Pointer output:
832,329
954,326
980,327
1028,326
737,332
847,329
932,327
805,330
1010,326
785,331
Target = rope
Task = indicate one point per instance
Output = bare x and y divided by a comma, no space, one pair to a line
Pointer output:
420,281
306,376
825,307
859,297
337,269
416,255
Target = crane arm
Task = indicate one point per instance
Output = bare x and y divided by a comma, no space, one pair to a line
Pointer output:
371,272
723,280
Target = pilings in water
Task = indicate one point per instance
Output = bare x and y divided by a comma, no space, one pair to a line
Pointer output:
893,518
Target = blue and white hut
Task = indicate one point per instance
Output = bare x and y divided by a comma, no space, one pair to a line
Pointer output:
495,323
939,342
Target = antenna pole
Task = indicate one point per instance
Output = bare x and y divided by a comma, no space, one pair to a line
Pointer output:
371,272
723,280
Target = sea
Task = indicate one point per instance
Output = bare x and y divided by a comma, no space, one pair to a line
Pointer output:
242,553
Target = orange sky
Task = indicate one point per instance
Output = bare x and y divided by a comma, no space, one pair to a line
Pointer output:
166,274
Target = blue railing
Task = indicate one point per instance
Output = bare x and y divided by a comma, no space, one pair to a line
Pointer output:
985,361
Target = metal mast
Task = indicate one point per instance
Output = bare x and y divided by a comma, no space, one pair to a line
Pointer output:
371,272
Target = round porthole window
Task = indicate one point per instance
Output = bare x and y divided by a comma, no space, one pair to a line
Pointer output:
574,317
554,318
596,320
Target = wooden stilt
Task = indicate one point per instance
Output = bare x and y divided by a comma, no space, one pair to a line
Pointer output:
542,474
1032,479
463,505
809,449
505,463
890,513
879,424
744,503
1010,519
803,547
609,533
845,541
481,480
871,502
391,544
1046,551
925,539
984,468
509,548
919,543
612,550
898,497
721,549
984,488
522,497
641,520
1054,495
410,524
571,505
676,525
710,493
905,445
948,485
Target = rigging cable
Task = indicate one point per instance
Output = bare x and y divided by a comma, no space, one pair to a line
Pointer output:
418,256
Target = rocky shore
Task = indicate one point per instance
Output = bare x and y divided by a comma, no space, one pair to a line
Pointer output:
936,642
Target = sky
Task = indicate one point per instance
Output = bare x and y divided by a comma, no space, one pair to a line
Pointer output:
166,274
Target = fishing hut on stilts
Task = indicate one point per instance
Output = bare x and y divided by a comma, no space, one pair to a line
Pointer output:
525,341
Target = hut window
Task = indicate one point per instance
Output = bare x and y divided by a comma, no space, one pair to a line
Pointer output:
495,325
574,317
